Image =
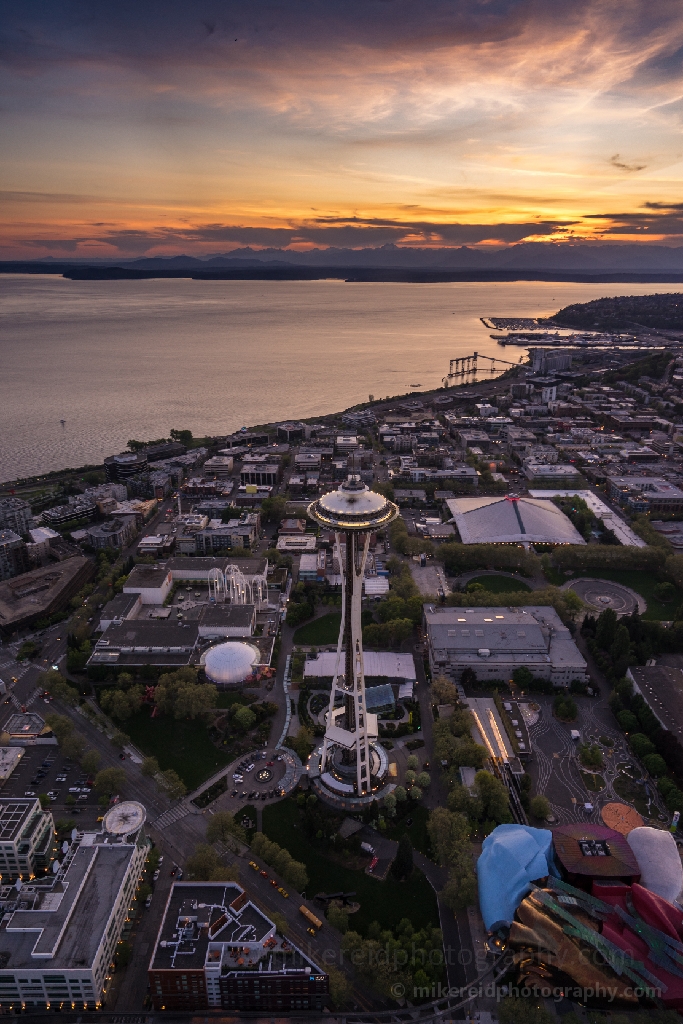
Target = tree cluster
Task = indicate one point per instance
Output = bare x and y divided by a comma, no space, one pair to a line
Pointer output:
407,956
485,809
617,643
206,866
453,741
292,871
449,833
180,695
657,748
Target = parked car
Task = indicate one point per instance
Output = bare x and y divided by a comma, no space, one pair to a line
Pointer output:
29,792
156,875
148,902
264,874
249,768
83,796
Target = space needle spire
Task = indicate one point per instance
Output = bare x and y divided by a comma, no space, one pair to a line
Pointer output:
349,761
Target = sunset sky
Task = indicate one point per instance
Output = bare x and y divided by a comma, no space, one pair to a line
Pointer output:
142,128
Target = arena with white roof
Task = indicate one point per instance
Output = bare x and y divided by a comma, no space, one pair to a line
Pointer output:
511,520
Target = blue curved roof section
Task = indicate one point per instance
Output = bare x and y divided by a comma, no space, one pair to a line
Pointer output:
512,857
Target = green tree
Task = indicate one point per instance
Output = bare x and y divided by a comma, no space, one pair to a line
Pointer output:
90,761
44,799
494,797
222,826
443,691
540,806
73,746
523,677
110,781
622,644
205,866
173,784
340,986
183,436
338,918
150,767
57,686
664,592
303,743
61,726
641,745
606,629
400,794
423,780
122,704
655,764
244,718
412,763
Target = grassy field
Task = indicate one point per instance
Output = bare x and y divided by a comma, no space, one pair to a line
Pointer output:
417,831
387,902
324,630
643,583
183,746
501,584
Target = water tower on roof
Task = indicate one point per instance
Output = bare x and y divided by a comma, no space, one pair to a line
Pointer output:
351,764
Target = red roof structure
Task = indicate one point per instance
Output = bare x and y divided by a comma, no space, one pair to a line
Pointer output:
594,851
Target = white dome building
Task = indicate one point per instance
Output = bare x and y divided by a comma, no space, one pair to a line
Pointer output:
230,663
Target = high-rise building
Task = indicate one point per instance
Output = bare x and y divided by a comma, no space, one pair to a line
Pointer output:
350,762
13,556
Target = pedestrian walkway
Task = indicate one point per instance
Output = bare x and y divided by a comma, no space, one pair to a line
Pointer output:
170,816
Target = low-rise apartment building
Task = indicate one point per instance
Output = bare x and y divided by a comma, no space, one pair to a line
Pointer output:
217,950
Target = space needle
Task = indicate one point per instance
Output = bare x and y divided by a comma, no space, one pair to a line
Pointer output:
350,763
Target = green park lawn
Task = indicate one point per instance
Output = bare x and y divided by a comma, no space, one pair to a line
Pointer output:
184,746
324,630
501,584
417,832
387,902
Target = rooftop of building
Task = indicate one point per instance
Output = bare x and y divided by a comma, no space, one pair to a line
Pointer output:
662,688
208,923
27,595
15,814
508,520
248,566
119,606
534,634
149,633
59,923
25,723
234,615
147,577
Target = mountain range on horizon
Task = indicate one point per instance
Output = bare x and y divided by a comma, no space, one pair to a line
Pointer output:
525,256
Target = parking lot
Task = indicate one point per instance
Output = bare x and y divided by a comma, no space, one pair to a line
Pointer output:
43,769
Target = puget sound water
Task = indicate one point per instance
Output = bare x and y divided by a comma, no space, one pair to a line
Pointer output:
133,359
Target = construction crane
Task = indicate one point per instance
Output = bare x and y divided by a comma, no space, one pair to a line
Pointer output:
464,365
